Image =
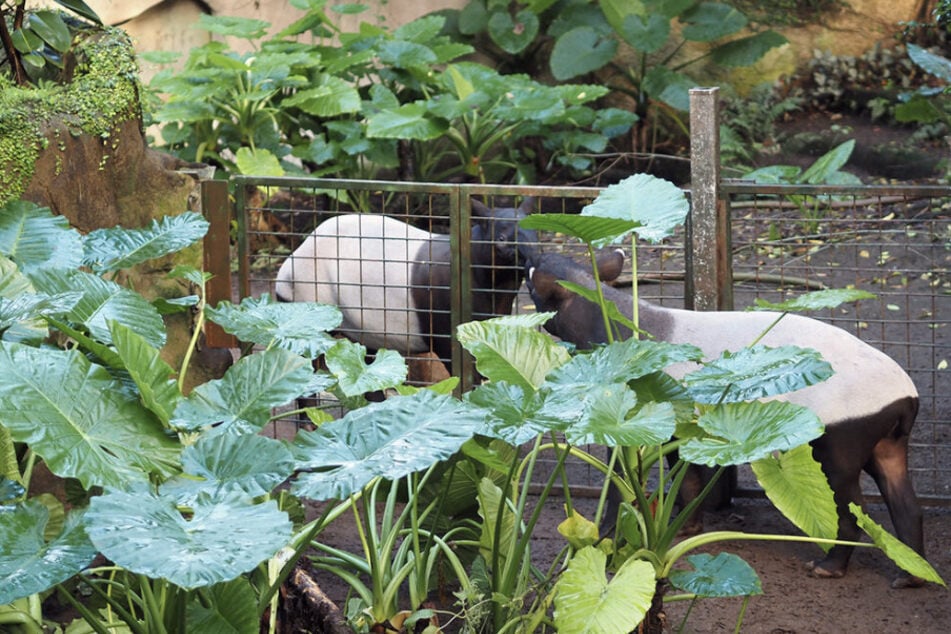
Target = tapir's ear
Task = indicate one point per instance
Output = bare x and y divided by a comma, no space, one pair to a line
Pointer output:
610,265
545,286
528,203
479,209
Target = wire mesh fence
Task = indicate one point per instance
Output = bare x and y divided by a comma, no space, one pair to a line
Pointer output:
894,242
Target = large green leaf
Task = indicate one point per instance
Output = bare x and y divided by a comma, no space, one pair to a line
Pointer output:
80,8
78,418
34,306
391,439
646,33
591,229
725,575
158,390
496,536
519,414
28,563
909,561
223,537
409,121
622,361
347,362
757,372
828,164
403,54
503,352
513,35
115,248
795,484
579,51
50,26
746,51
937,65
708,21
250,463
744,432
816,300
616,10
300,327
669,86
22,310
258,161
225,608
104,301
656,205
586,602
35,238
331,98
241,401
614,419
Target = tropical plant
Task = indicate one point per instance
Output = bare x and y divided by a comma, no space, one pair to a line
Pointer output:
178,492
376,101
36,43
826,170
636,47
619,396
487,126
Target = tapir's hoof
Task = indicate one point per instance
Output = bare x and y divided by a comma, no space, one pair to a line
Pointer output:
907,581
824,570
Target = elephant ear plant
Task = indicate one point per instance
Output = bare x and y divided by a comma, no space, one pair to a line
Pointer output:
618,395
176,492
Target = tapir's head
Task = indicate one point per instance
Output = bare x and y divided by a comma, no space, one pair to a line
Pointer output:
511,244
577,320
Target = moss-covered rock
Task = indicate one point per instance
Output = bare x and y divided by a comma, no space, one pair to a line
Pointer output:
80,149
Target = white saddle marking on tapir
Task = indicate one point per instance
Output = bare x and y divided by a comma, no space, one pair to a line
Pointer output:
854,391
362,263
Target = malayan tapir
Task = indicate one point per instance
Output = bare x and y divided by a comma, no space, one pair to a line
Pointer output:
868,406
391,280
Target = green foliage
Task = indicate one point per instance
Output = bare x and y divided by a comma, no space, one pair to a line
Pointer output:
300,103
186,501
635,47
36,44
827,170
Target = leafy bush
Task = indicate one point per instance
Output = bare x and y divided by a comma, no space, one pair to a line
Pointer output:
36,43
635,48
378,102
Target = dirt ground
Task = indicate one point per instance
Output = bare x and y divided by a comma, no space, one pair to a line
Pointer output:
792,601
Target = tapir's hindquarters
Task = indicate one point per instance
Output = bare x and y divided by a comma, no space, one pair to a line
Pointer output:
877,445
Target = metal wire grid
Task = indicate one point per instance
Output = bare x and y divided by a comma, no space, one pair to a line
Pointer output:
893,242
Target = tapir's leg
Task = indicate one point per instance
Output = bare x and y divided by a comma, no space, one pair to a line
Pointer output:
889,467
842,464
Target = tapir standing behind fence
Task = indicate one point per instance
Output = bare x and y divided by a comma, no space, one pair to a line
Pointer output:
392,281
868,406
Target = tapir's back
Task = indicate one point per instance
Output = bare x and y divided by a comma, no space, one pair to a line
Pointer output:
362,263
866,380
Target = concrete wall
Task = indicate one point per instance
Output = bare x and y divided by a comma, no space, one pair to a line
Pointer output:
166,24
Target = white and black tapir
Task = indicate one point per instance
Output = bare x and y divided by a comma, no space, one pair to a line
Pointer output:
392,280
868,406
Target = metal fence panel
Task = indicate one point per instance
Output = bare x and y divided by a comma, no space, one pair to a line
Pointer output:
892,241
895,242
